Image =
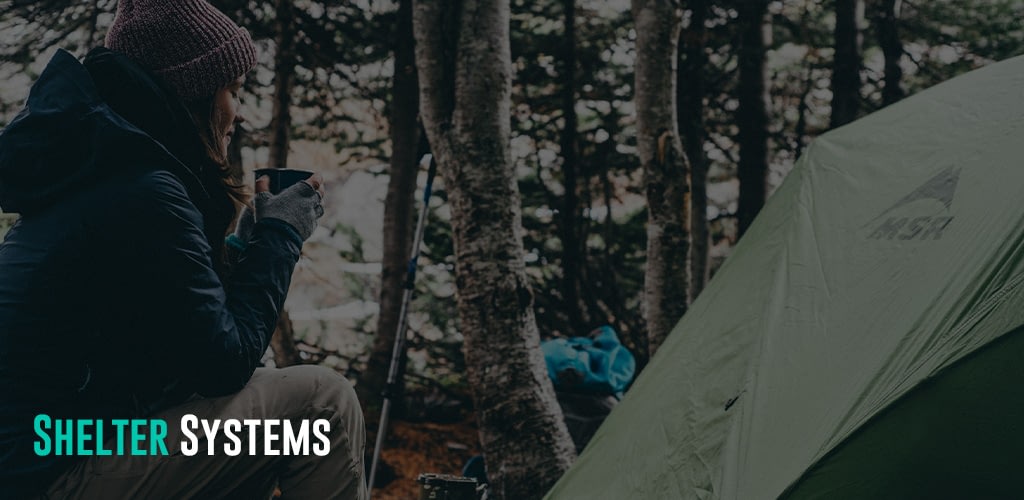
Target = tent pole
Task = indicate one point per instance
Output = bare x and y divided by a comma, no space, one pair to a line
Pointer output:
394,371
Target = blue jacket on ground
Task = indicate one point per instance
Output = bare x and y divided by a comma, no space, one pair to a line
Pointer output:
114,302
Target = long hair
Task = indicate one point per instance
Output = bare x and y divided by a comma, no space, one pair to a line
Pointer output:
202,112
236,195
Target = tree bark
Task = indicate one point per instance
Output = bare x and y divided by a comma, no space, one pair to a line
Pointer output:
690,89
283,343
666,284
399,209
284,80
571,249
752,115
886,20
846,66
464,63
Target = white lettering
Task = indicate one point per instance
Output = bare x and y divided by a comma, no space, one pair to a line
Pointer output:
252,424
320,428
270,438
211,434
296,443
190,446
231,429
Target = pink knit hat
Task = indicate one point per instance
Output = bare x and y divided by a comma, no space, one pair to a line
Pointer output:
190,44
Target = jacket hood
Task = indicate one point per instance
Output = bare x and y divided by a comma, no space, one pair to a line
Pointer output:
69,135
86,121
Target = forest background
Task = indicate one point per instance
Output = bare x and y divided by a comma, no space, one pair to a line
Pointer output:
618,117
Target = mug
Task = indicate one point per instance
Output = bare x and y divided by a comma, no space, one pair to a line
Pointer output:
282,178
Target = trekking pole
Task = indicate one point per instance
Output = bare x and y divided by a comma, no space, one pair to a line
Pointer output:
394,377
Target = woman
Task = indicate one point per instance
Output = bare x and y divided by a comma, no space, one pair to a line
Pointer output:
117,299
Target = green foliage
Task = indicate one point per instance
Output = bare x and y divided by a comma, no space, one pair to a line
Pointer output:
945,38
342,71
604,165
357,284
34,27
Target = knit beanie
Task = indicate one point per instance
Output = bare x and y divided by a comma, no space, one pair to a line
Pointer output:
191,45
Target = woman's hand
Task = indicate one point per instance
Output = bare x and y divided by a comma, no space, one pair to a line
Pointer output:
299,205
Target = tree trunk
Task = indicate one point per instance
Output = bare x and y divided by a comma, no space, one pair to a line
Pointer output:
284,80
464,63
283,342
752,115
846,69
571,249
886,19
666,283
399,209
690,88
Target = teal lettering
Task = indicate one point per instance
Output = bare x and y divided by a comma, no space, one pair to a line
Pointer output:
120,424
158,432
83,437
63,435
42,423
100,450
137,437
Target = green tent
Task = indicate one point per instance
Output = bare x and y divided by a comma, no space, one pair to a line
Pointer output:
865,339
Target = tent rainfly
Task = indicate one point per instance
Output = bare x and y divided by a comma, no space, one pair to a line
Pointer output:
865,338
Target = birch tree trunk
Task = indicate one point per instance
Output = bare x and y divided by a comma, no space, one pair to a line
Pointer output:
752,115
666,282
464,63
690,88
846,69
398,210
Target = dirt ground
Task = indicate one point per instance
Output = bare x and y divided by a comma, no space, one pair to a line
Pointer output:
416,448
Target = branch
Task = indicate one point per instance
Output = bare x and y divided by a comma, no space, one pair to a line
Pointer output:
728,152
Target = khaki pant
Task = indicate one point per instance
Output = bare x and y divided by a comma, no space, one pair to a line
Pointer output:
302,392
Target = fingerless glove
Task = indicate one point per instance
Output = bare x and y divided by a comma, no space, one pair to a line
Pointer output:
299,206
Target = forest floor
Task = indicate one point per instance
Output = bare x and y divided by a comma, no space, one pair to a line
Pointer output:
413,448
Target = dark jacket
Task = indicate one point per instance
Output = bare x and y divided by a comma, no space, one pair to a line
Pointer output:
112,300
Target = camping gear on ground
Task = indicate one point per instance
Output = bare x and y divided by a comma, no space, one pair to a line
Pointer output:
394,371
445,487
476,469
866,337
584,414
595,364
589,374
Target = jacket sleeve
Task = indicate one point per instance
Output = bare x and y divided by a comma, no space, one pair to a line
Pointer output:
224,328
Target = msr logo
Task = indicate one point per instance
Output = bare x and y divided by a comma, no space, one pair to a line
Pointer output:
905,220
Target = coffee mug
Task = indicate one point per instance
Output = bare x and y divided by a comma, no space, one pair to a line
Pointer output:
282,178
